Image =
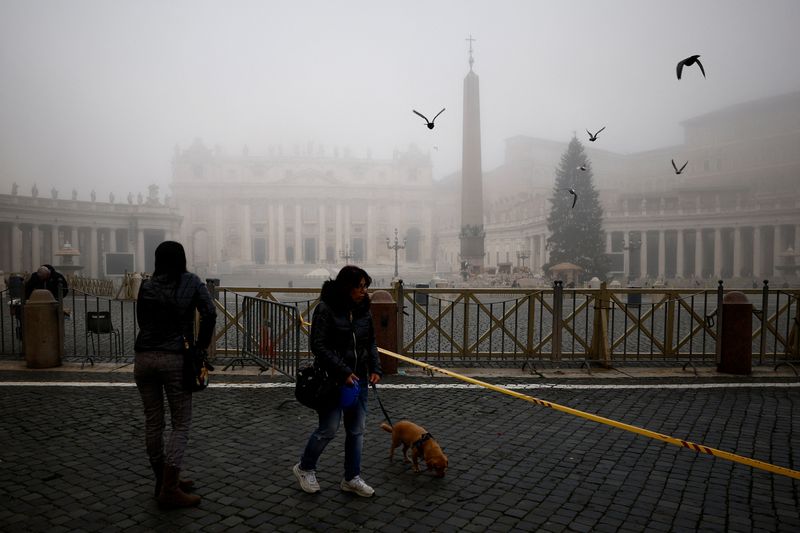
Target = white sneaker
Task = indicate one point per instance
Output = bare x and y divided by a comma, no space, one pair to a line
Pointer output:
358,486
307,479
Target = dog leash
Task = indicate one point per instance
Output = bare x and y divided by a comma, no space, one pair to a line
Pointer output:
381,404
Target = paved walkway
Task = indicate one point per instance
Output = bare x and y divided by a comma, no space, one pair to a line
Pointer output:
72,455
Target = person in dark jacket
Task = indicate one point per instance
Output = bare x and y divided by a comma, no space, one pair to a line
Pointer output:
342,339
47,277
166,308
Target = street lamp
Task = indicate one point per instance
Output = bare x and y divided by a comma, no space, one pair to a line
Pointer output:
522,256
396,246
346,255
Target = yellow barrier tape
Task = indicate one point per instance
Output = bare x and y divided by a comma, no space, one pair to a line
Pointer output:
602,420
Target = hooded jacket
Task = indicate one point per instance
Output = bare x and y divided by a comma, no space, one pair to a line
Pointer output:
340,330
165,312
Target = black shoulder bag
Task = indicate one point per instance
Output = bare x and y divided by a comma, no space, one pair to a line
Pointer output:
196,367
314,388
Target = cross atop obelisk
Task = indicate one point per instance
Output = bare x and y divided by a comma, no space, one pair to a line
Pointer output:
471,60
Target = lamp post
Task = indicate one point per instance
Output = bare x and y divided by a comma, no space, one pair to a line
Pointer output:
522,256
346,255
396,246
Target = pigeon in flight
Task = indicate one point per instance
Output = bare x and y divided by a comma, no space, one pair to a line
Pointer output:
678,170
582,168
429,123
574,196
593,138
688,62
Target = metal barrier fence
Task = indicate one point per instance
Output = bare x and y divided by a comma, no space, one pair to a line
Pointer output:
263,332
268,327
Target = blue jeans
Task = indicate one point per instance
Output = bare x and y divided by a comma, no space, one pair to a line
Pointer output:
156,373
355,419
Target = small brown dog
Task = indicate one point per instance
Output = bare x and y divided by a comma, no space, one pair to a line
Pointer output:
421,443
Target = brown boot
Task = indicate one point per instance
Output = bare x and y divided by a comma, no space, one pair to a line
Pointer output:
158,470
171,495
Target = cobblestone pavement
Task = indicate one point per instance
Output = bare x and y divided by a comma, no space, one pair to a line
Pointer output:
72,458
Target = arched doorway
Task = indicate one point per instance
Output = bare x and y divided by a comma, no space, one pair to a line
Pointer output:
413,245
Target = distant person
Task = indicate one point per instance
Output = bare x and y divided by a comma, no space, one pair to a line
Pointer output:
342,339
46,277
166,309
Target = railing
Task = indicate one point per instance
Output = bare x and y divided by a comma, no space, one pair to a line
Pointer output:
268,327
265,333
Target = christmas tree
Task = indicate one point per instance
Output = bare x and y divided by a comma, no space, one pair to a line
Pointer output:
576,233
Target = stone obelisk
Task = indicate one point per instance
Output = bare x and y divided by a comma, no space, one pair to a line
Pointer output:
472,233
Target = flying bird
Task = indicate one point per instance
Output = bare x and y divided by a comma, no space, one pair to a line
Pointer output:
593,138
429,123
678,170
582,167
688,62
436,147
574,195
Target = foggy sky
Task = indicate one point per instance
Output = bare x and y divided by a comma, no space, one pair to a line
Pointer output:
96,94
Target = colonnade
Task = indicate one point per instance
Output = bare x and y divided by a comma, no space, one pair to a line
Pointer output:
25,246
719,252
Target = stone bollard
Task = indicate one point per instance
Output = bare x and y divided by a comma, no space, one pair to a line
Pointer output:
736,349
136,283
384,316
43,330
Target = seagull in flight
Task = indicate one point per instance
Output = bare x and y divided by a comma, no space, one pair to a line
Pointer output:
571,190
678,170
429,123
593,138
688,62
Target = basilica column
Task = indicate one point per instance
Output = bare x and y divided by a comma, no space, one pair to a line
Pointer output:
776,249
74,242
247,240
679,254
339,231
797,240
53,244
272,236
322,232
717,253
112,240
217,255
662,254
16,249
369,248
298,234
140,250
626,256
347,240
281,235
93,252
36,247
737,252
698,253
643,255
757,262
608,242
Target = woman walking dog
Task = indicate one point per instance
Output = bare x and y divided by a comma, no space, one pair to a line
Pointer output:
342,340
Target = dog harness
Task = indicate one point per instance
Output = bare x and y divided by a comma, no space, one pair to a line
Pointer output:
418,443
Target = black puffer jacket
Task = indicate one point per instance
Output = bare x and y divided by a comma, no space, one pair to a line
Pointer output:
340,329
165,313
